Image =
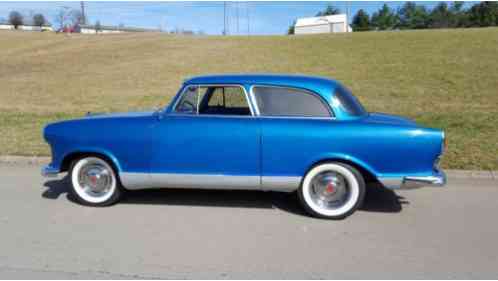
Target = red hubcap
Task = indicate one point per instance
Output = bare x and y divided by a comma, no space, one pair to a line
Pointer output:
93,179
330,188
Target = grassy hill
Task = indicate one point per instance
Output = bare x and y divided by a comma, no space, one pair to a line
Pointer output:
441,78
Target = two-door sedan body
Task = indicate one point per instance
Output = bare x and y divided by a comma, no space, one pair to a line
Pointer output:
253,132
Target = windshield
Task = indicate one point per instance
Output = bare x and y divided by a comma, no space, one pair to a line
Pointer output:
349,103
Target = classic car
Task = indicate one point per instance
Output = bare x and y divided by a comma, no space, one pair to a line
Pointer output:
253,132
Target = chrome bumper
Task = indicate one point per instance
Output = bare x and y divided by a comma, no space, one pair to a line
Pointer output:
438,179
49,171
411,182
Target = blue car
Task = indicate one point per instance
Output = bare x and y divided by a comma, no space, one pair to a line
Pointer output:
251,132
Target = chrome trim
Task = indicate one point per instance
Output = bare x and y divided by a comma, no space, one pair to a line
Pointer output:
134,181
285,184
156,180
179,98
253,100
327,105
439,179
411,182
296,117
210,115
49,171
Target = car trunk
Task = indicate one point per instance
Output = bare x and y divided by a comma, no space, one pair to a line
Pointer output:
389,119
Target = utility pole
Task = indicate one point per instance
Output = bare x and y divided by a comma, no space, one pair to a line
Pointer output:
347,15
83,16
225,18
237,15
248,19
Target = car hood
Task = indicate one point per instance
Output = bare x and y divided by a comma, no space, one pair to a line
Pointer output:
389,119
97,117
92,121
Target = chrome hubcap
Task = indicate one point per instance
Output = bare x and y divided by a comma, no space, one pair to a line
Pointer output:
95,179
329,190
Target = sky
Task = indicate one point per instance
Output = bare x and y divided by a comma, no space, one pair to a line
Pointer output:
254,18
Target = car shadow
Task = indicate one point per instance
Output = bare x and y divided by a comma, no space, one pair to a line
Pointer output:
377,199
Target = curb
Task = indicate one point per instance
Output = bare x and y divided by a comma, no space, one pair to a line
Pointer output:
454,174
24,160
471,174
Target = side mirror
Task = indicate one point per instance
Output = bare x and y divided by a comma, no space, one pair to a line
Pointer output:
159,113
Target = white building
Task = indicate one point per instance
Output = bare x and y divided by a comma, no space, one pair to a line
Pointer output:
325,24
86,29
7,26
91,29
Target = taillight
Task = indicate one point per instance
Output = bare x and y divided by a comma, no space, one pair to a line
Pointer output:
444,143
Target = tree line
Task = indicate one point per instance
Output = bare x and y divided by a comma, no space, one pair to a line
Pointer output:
417,16
16,19
66,20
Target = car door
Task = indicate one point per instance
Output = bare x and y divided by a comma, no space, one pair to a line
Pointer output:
208,141
295,126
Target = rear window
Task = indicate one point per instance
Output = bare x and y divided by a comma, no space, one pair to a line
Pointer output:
349,103
278,101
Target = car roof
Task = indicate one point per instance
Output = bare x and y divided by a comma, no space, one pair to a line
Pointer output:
320,85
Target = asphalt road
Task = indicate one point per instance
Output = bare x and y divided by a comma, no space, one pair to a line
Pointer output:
447,232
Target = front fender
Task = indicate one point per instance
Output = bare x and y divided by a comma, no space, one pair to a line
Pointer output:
59,159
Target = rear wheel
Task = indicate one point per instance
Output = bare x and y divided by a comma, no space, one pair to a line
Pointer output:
94,182
332,190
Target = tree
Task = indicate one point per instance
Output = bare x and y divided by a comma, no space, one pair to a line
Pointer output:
361,21
69,18
330,10
384,19
59,19
16,19
413,16
76,17
290,31
484,14
460,17
39,20
98,27
440,16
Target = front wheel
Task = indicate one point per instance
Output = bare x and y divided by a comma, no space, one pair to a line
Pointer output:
332,190
94,182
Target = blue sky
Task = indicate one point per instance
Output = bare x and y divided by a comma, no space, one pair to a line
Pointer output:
264,17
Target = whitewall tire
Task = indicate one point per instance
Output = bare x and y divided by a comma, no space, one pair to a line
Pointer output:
94,182
332,190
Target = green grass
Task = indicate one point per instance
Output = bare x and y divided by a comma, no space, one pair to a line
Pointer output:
441,78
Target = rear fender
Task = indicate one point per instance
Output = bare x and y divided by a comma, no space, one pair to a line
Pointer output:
340,157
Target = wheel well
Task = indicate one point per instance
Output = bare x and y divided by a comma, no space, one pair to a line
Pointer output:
66,162
367,175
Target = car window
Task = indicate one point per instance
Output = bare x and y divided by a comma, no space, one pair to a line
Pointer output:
278,101
189,101
349,102
224,100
